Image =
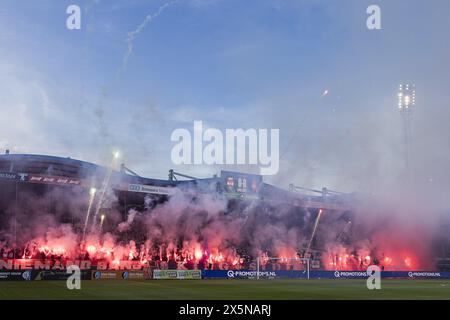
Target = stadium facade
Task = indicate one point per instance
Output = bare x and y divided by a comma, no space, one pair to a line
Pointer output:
23,173
27,179
24,177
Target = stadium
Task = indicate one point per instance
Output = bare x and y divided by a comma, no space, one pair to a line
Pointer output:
117,225
26,177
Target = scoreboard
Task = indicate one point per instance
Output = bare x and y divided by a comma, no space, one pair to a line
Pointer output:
241,185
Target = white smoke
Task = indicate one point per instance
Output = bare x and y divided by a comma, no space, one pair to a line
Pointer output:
133,34
124,226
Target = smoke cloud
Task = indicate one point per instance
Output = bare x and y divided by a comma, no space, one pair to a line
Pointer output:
133,34
207,228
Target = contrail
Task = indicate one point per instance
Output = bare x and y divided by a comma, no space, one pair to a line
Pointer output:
133,34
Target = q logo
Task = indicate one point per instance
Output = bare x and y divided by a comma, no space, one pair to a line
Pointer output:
337,274
27,275
374,279
230,274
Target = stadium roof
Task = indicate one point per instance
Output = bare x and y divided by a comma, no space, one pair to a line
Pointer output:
52,166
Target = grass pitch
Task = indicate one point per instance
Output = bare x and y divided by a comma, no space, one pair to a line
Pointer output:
227,289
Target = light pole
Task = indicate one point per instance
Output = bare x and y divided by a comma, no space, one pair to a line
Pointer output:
406,105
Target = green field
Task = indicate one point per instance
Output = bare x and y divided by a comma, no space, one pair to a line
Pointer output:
227,289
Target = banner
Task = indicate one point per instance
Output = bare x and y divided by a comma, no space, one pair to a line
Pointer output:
164,274
119,275
13,176
189,274
28,275
58,275
342,274
150,189
177,274
384,274
253,274
38,178
17,275
319,274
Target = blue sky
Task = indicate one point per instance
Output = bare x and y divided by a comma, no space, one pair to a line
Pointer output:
232,64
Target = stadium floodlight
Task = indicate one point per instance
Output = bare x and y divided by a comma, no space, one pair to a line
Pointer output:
116,154
92,191
406,97
406,103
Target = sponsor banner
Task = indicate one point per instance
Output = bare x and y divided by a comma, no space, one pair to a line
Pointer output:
58,275
428,275
164,274
119,275
387,274
189,274
252,274
13,176
345,274
38,178
319,274
177,274
17,275
150,189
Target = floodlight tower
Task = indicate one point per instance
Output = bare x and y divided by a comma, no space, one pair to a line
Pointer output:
406,105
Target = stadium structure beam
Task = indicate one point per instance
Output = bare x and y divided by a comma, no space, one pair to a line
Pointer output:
173,174
124,169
